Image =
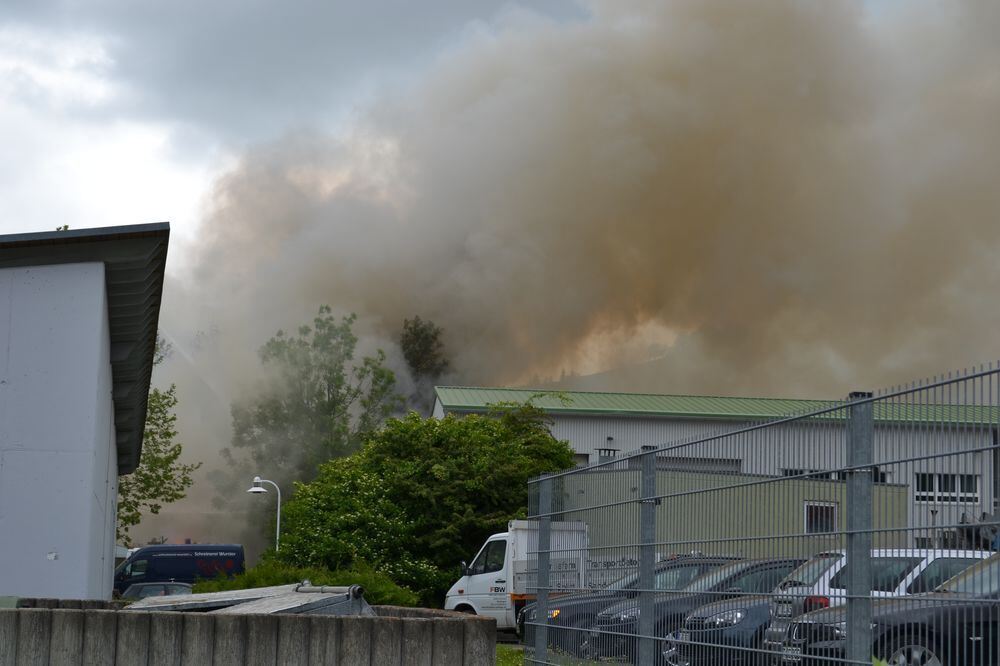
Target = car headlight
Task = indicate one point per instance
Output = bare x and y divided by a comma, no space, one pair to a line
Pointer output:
627,615
725,619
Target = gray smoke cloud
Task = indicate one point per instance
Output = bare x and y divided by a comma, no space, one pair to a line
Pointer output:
791,198
769,198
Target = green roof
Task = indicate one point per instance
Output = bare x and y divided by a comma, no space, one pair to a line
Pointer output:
476,399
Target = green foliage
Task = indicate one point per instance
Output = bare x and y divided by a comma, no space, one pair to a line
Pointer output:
379,588
160,478
318,405
421,495
423,349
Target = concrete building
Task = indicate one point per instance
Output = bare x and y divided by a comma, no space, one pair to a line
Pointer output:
949,458
78,320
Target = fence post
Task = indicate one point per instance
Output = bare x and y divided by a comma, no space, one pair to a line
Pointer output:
647,556
860,454
542,583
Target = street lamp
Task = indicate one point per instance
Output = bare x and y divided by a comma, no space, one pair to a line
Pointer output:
258,488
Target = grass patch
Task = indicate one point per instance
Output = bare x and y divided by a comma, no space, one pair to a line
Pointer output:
509,656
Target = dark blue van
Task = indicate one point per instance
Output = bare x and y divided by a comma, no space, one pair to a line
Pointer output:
181,563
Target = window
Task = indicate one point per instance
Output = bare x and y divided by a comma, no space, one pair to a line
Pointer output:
136,569
947,488
820,517
887,573
938,572
879,476
151,591
491,559
675,578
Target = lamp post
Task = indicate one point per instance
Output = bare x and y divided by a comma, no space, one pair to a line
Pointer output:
257,488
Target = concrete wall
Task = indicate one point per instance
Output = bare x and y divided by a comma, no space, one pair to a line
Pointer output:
398,637
58,467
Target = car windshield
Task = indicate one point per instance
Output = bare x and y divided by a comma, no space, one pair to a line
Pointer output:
811,571
624,583
982,579
712,579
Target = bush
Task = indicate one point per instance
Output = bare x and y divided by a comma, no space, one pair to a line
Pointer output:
421,495
379,588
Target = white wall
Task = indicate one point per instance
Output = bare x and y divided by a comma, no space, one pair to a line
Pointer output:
58,466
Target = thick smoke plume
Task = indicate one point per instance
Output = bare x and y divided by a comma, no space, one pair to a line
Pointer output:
773,197
769,198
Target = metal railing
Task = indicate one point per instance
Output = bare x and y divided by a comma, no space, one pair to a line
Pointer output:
863,530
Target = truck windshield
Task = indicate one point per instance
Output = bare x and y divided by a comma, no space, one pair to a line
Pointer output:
980,580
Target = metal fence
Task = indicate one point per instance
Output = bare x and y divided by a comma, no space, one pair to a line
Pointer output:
864,530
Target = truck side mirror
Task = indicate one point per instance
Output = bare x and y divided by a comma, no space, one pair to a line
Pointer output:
465,568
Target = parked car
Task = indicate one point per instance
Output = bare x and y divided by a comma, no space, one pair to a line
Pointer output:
822,582
614,629
571,616
730,631
143,590
956,625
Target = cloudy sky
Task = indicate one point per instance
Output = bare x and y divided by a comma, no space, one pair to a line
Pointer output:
775,197
121,112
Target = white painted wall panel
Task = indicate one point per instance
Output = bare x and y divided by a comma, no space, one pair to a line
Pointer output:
56,435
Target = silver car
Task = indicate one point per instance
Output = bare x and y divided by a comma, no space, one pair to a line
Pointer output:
822,582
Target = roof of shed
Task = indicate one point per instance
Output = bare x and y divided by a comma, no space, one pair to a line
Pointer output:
134,258
465,398
476,399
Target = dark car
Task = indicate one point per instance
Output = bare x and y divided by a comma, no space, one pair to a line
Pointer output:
730,631
572,615
956,625
143,590
614,630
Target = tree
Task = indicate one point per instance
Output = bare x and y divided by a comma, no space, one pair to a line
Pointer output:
159,478
423,350
318,404
421,495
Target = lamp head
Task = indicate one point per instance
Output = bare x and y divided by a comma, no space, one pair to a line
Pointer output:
257,486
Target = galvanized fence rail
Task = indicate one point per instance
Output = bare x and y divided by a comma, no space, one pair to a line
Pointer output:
865,530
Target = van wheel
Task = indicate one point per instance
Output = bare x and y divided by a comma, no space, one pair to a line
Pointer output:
468,610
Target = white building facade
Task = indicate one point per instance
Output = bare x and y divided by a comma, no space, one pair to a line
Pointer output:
78,314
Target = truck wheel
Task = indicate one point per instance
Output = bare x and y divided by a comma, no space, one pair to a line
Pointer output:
468,610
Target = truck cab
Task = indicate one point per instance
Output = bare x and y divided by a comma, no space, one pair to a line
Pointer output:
483,589
501,580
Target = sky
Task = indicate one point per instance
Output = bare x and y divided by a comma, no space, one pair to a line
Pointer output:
120,112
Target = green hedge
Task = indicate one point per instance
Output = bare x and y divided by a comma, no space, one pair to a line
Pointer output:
379,588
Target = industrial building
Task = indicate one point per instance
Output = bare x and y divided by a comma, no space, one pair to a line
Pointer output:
601,426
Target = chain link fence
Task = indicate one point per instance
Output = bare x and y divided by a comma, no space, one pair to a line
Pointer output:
864,530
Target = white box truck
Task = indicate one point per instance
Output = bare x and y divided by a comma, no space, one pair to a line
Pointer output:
501,578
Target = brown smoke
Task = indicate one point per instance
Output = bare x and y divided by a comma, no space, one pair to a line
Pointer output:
776,197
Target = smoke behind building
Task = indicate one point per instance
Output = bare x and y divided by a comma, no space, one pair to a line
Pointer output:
793,198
